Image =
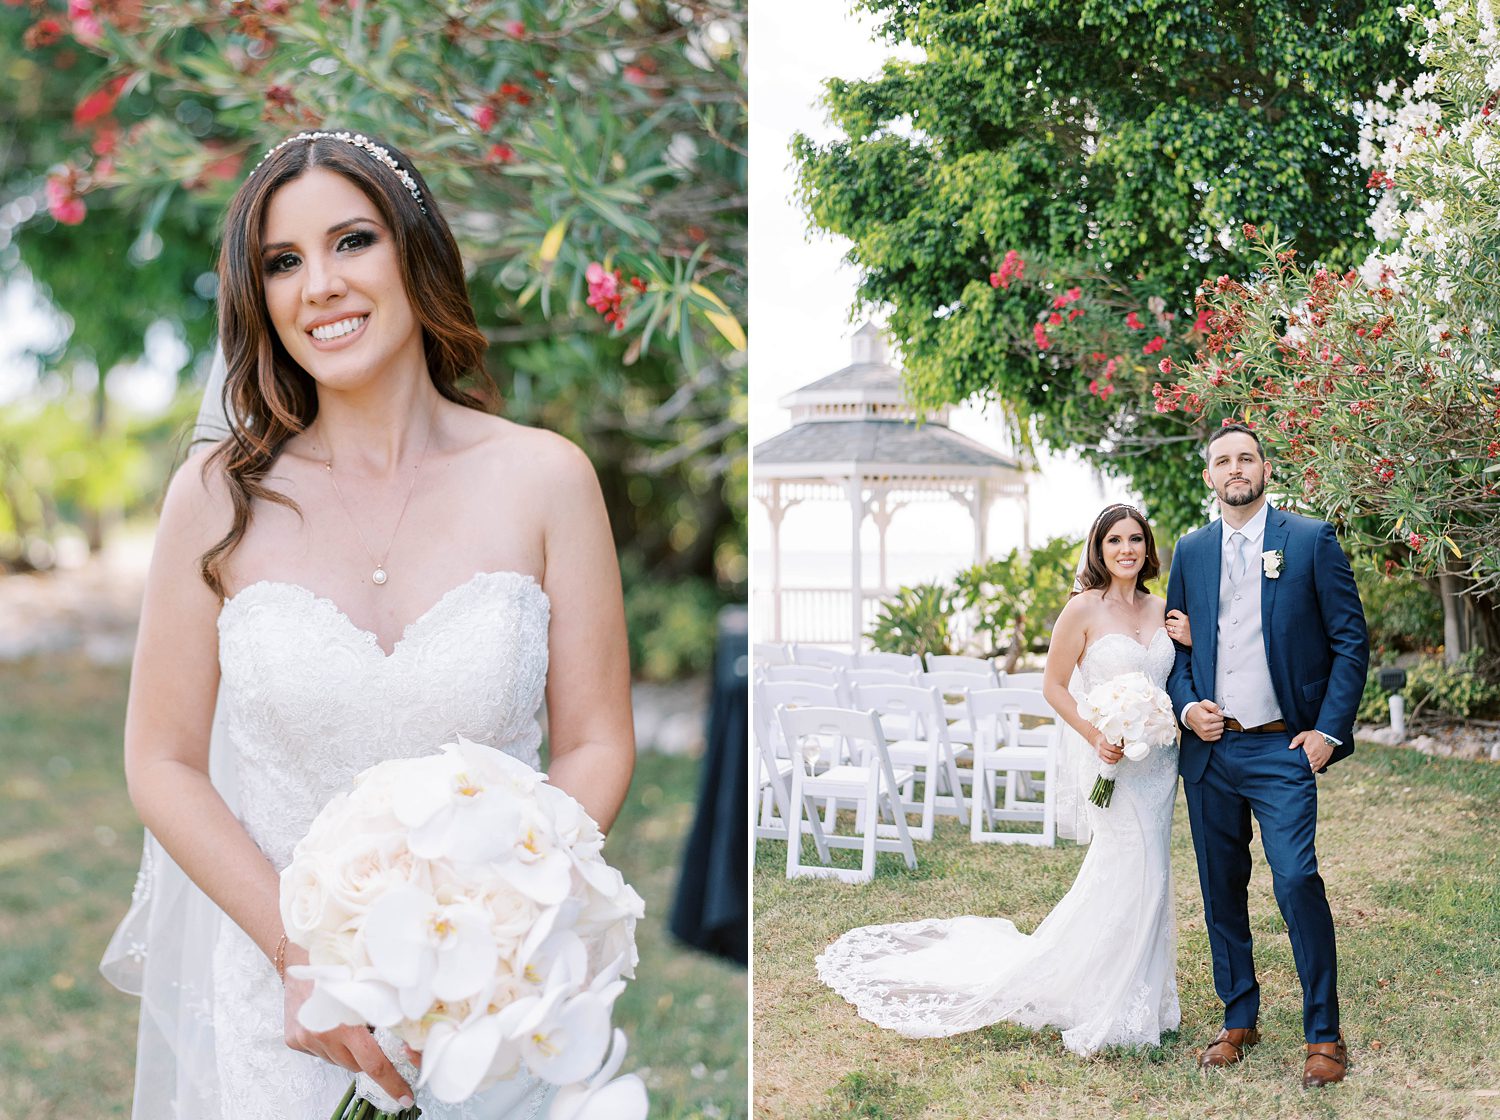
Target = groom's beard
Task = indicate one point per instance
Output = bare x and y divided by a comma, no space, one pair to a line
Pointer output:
1232,497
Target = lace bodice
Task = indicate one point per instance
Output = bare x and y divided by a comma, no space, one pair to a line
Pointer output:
1114,655
310,700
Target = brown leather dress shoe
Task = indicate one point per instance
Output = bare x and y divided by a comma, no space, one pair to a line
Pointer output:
1326,1063
1229,1047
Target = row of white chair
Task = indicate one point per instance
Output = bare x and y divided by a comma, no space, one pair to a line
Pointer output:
766,654
869,749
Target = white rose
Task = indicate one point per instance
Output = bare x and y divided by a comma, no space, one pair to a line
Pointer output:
307,907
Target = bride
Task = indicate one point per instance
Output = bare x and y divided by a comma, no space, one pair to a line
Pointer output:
367,567
1101,966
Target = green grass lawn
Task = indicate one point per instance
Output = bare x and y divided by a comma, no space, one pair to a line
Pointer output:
69,849
1408,848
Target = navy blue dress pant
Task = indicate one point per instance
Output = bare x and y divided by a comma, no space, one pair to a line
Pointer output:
1257,773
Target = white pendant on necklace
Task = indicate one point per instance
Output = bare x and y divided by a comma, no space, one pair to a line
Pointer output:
379,577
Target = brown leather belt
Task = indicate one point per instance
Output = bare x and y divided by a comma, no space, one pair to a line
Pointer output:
1232,724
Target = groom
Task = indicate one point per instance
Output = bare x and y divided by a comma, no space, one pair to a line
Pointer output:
1267,695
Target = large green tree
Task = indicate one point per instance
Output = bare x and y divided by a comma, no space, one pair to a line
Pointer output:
1105,147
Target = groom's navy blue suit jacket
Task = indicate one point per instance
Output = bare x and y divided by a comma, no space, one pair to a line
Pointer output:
1316,644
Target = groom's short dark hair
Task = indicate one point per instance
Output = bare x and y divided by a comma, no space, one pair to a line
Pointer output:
1233,426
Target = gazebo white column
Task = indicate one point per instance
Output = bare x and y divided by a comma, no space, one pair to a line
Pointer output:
776,506
856,489
981,511
882,512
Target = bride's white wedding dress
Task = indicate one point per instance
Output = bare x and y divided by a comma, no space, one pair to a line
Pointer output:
1101,967
307,701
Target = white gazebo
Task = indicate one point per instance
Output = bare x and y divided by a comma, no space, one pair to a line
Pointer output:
854,438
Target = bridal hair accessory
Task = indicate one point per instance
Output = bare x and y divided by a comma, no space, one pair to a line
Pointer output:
362,142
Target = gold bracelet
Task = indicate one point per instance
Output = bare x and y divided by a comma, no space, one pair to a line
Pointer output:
280,959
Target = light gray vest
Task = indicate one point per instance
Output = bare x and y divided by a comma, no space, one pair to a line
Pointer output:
1242,683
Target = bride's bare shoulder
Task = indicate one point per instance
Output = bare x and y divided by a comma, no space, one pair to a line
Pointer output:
1083,604
198,496
547,462
1080,609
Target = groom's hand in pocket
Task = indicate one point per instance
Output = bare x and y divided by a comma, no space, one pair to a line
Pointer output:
1206,720
1319,750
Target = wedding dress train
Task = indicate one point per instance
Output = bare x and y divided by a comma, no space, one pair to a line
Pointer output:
307,701
1101,967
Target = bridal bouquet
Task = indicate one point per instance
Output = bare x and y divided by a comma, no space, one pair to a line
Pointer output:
460,904
1129,709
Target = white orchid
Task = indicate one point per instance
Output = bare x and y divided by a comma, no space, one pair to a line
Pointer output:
344,996
429,951
600,1098
463,806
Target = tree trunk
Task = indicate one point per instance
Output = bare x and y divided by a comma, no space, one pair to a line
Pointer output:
1470,621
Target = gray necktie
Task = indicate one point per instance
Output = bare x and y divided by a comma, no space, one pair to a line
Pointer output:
1240,557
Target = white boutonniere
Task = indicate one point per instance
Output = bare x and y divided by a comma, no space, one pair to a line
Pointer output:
1271,561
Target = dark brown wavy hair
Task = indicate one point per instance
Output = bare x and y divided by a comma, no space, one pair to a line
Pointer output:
268,397
1095,574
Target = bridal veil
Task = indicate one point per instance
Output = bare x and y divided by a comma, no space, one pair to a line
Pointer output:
162,950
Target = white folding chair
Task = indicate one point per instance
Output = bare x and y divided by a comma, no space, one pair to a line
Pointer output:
874,787
996,715
923,745
771,695
906,663
763,654
952,663
809,674
824,658
894,728
955,689
773,770
1021,680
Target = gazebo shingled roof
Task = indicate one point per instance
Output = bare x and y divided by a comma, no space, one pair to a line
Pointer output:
882,442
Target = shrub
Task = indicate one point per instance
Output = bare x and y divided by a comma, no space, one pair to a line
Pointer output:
1467,689
1404,613
915,620
673,624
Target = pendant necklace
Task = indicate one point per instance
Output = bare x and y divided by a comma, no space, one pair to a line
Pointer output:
379,576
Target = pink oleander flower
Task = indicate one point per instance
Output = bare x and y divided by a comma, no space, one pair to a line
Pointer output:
85,24
1133,321
1154,345
1039,332
604,286
63,202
